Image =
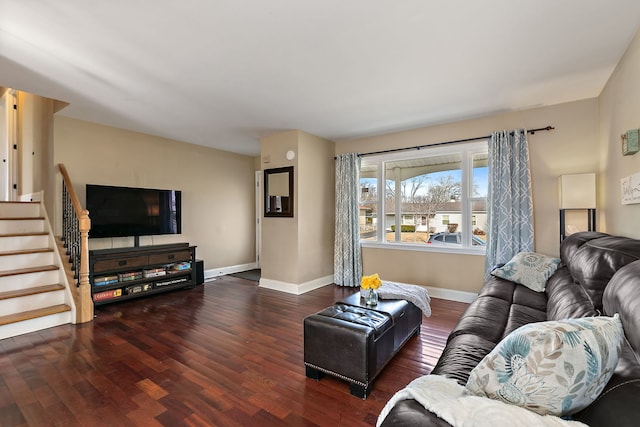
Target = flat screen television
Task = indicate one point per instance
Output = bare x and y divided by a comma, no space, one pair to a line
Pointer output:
128,211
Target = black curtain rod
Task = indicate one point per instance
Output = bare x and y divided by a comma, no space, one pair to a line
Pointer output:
457,141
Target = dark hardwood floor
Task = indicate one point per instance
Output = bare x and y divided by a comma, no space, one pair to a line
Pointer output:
224,354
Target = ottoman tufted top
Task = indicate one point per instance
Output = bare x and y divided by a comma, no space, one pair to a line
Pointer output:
376,320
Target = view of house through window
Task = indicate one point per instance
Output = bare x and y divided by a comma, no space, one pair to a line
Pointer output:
431,197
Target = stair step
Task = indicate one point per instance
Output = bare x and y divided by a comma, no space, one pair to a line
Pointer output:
25,258
10,225
21,218
35,233
21,209
30,291
28,270
26,251
32,297
20,241
32,314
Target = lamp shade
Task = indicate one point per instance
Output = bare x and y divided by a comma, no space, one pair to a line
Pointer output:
578,191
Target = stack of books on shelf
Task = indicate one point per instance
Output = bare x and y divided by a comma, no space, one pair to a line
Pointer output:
136,289
155,272
133,275
105,280
114,293
171,282
179,266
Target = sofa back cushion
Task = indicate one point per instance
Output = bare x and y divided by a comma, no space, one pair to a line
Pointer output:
566,298
622,296
594,262
574,241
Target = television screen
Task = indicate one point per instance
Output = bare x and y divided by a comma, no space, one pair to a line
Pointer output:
127,211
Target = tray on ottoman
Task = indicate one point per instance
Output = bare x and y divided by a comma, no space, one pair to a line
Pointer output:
354,342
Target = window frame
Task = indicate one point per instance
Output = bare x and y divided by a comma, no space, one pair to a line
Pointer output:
467,152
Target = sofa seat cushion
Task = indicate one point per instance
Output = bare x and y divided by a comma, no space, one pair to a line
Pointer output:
501,307
461,355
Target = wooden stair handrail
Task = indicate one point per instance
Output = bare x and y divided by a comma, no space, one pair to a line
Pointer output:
84,308
74,198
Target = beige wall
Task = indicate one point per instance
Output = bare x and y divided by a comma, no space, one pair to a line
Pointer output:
218,196
571,148
316,224
280,235
297,253
35,146
619,112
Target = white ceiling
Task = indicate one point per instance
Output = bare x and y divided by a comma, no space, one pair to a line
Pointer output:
224,73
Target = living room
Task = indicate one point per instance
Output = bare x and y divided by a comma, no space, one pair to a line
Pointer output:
586,139
219,195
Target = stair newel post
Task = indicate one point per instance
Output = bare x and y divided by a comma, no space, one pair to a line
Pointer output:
85,313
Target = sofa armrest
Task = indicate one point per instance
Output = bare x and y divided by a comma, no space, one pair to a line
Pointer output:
614,407
410,413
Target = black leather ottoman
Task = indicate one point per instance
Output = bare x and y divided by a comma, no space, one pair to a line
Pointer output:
354,342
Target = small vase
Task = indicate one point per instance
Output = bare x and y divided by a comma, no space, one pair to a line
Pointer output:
371,298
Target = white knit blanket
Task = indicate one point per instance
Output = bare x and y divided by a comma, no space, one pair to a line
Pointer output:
412,293
445,398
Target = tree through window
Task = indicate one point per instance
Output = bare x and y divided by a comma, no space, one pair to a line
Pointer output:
439,192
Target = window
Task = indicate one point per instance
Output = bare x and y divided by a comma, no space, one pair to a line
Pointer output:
431,199
368,202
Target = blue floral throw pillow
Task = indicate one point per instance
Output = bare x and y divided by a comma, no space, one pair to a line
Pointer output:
555,367
529,269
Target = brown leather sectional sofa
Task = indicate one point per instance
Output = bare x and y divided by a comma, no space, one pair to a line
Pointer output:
599,274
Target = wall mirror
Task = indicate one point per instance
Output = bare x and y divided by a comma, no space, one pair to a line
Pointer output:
278,192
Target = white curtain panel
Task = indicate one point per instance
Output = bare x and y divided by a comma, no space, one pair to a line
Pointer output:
347,262
509,204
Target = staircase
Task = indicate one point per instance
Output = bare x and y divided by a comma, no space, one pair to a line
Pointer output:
34,292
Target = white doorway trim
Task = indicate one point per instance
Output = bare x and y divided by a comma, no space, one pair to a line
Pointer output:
5,158
8,145
258,218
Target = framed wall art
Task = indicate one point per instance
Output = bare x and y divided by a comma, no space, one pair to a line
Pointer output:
630,187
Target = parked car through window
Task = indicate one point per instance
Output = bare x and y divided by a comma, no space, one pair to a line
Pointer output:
433,198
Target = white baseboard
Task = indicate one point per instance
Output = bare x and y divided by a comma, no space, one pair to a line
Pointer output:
448,294
452,294
215,272
293,288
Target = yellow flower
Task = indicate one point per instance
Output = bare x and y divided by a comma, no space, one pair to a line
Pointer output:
371,282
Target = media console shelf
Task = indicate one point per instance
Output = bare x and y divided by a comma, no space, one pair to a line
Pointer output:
123,273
